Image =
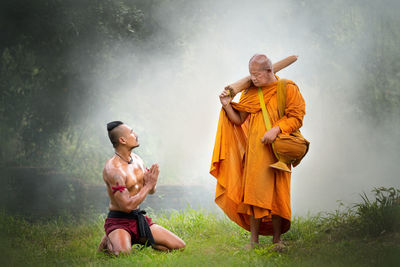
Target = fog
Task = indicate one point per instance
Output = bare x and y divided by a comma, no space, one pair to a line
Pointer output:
170,97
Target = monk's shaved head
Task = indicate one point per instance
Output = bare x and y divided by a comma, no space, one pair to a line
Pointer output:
260,62
261,72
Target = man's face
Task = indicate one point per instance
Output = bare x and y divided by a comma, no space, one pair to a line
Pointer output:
258,76
130,138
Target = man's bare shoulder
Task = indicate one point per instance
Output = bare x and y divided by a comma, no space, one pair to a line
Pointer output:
112,172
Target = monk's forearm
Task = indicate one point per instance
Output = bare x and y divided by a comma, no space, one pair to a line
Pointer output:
232,114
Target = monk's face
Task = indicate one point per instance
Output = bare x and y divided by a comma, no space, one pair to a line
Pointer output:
259,76
128,137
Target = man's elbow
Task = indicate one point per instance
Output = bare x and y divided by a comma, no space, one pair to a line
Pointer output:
152,191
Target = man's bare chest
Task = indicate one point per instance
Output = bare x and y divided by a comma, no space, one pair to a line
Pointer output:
134,178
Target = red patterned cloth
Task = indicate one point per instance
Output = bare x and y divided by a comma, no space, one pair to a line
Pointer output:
129,225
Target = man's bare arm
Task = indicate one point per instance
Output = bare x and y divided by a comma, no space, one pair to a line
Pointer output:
153,190
125,201
141,162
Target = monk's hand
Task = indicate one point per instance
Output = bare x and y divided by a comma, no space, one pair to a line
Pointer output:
151,176
231,91
270,136
225,97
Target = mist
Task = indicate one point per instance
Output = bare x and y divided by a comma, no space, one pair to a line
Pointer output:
349,153
168,85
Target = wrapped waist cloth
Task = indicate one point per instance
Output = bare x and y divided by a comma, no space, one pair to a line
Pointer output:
134,222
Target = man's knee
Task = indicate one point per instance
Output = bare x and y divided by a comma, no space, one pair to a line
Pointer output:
117,250
179,244
119,242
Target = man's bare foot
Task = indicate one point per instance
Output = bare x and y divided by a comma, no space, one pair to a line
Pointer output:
104,245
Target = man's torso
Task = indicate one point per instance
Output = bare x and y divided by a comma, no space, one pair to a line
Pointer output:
132,174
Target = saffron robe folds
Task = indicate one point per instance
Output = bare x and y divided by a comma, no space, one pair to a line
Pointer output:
246,185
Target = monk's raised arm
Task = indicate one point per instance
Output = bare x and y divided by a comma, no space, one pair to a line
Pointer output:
235,116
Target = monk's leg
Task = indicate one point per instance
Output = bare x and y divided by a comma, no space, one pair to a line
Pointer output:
277,231
276,228
165,240
119,241
254,231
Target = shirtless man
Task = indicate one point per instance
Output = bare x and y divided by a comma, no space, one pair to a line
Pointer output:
128,183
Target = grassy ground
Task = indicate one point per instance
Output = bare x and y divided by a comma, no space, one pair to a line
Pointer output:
342,238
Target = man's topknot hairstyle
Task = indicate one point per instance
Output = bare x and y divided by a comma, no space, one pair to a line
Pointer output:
113,135
113,124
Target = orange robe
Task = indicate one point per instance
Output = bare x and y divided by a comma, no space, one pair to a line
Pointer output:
246,185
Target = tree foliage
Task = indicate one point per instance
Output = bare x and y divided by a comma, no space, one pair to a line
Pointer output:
48,51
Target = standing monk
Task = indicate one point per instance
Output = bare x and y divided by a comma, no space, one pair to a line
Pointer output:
128,183
251,193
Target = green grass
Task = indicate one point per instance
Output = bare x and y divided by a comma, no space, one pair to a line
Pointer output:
347,237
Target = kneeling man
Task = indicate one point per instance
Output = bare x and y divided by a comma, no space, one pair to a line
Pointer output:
128,183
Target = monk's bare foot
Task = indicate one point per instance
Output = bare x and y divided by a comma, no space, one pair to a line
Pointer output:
279,247
251,246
